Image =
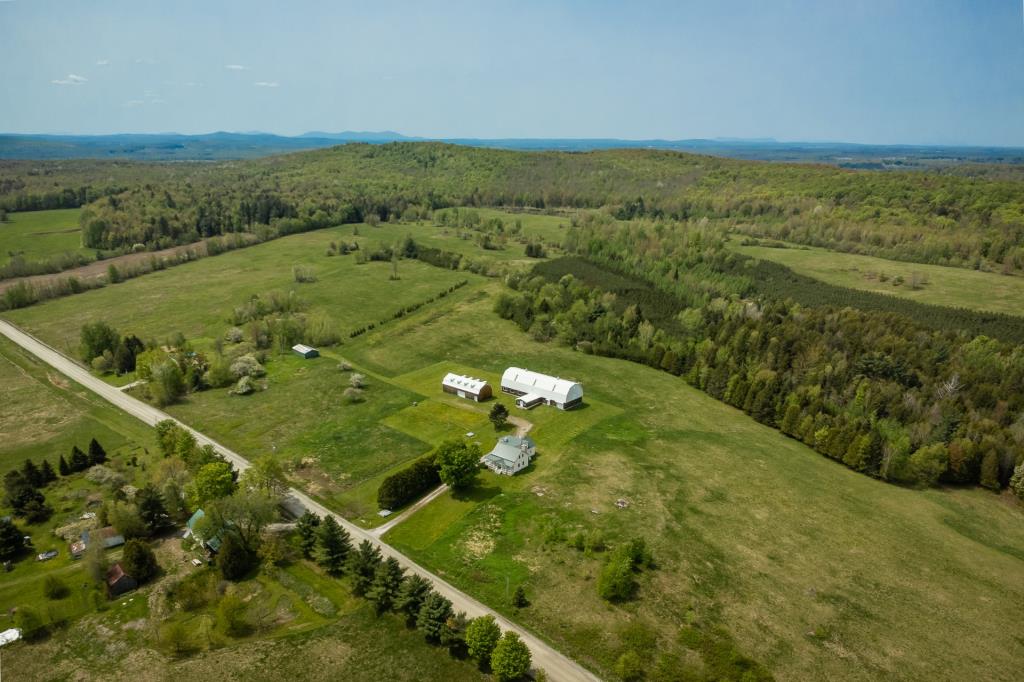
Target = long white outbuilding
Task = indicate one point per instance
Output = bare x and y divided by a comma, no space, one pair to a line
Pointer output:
532,389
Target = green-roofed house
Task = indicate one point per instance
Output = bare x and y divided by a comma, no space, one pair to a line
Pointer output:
510,455
213,543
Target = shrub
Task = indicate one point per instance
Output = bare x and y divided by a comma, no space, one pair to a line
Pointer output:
245,386
138,561
247,366
408,484
353,395
54,588
511,658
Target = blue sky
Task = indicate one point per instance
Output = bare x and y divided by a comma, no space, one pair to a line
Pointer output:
863,71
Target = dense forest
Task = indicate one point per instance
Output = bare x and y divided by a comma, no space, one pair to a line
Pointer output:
908,400
968,217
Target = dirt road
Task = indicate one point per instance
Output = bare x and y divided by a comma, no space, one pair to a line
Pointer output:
557,666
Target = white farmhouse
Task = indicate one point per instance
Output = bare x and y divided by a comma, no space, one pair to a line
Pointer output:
510,454
533,388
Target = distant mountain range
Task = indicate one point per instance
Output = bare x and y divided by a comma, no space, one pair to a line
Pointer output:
227,145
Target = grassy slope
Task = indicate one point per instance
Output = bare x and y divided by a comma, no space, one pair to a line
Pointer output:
957,287
817,571
196,298
40,234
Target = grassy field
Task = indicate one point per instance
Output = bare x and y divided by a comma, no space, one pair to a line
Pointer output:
947,286
816,571
196,298
813,570
37,235
308,626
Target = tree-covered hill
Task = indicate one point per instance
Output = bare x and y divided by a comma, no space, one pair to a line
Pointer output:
960,218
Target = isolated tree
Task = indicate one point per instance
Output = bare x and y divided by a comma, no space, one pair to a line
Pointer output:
334,546
362,567
307,526
233,558
458,463
62,466
498,416
30,623
138,561
11,540
629,667
97,455
616,581
414,592
433,615
387,582
519,599
166,383
54,587
511,658
231,618
212,482
482,635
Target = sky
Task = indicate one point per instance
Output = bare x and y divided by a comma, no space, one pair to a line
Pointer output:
872,71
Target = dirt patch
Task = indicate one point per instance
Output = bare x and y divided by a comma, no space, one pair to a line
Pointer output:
479,541
99,268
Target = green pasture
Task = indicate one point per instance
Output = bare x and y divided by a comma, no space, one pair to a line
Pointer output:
38,235
948,286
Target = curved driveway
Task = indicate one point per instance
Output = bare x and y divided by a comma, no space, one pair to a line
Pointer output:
556,665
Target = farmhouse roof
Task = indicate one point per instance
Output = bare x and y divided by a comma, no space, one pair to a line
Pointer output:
463,383
508,448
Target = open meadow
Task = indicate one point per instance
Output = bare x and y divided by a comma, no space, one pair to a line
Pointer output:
38,235
934,284
766,553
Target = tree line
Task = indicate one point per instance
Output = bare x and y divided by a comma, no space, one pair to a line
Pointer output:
876,390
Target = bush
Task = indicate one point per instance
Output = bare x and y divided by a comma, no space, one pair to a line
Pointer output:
30,623
511,658
247,366
138,561
54,588
231,618
616,581
353,395
245,386
408,484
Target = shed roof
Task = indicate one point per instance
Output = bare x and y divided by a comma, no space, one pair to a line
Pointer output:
463,383
115,573
303,348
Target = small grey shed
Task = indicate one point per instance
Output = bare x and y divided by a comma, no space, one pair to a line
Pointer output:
306,351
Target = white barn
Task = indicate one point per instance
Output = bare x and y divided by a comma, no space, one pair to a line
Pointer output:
532,389
466,387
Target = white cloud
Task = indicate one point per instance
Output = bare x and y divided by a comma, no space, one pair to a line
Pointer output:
134,103
72,79
266,84
234,67
145,60
102,62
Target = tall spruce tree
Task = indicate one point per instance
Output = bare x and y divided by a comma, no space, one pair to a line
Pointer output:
387,583
414,592
335,546
97,455
79,461
362,566
47,472
307,527
433,615
62,466
31,473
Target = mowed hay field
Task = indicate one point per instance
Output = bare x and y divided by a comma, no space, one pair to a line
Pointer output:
42,413
956,287
197,298
37,235
814,571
